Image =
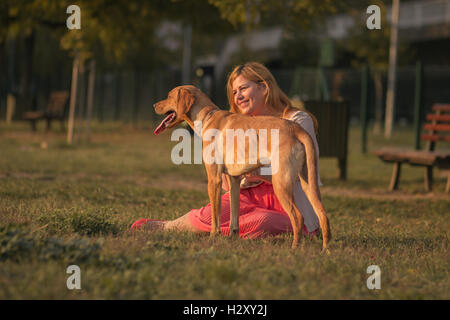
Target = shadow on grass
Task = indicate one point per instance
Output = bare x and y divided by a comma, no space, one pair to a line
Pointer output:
62,145
89,223
394,242
19,244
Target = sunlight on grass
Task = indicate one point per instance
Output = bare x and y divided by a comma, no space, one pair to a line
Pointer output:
63,205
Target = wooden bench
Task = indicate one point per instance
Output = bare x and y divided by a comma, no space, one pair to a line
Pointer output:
438,129
55,110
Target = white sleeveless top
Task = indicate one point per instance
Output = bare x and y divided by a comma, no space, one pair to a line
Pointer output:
301,201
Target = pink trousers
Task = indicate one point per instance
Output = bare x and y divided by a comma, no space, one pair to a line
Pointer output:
260,214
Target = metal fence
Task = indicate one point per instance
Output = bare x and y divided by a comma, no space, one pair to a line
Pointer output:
129,95
345,84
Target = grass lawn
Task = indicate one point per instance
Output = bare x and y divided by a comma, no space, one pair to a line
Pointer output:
62,205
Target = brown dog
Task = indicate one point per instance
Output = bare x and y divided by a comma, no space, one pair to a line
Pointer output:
187,103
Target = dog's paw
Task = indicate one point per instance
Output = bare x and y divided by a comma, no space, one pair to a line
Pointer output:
215,234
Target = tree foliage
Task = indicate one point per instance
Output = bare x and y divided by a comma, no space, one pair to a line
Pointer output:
295,14
372,46
113,29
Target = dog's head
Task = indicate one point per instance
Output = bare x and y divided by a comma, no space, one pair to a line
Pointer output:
177,106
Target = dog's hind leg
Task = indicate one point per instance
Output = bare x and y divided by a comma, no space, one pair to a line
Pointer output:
234,183
214,189
313,196
283,188
311,187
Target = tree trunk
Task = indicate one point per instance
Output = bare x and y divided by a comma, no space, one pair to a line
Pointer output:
390,95
90,98
28,72
101,97
81,111
118,95
186,76
137,91
73,96
378,102
11,80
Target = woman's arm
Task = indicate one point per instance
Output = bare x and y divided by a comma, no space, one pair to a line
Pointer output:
304,119
254,176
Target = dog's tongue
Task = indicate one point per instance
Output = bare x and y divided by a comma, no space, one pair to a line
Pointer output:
163,123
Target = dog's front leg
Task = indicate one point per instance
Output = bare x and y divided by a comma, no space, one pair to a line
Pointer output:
234,183
214,192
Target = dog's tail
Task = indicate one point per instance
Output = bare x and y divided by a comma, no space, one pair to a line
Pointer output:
311,186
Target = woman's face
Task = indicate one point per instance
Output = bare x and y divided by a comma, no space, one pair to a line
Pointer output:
249,96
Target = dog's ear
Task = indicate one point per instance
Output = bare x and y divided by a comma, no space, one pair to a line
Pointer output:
185,101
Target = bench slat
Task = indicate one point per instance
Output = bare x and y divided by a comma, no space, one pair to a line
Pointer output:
441,107
435,137
413,156
31,115
438,118
437,127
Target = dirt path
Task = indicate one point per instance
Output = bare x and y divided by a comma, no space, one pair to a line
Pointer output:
383,194
378,194
171,182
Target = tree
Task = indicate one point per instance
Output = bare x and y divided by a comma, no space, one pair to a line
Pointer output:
295,14
372,47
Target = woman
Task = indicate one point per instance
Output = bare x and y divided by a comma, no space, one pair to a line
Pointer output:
253,91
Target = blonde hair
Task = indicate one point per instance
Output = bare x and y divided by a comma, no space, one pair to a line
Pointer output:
275,99
256,72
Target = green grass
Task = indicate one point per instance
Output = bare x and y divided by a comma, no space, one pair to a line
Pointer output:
62,205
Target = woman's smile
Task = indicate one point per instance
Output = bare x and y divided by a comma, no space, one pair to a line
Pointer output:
248,96
243,103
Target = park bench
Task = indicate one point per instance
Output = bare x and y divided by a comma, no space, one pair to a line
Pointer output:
437,128
55,110
333,118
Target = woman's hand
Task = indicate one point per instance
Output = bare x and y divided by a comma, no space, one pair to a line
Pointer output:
254,176
250,177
